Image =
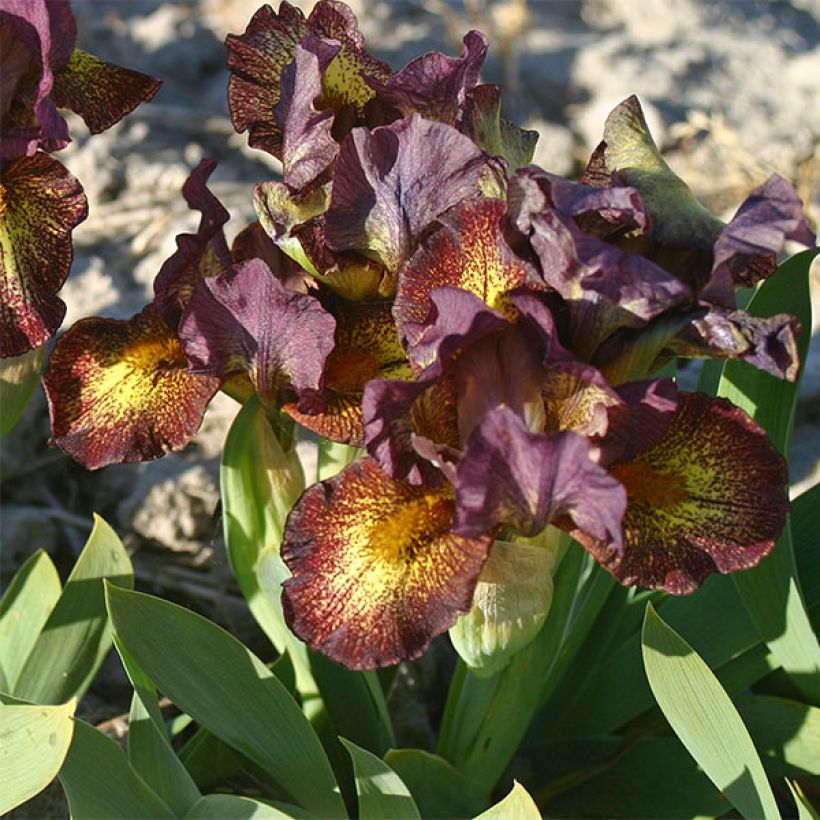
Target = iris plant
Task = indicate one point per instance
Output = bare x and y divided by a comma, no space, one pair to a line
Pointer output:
490,335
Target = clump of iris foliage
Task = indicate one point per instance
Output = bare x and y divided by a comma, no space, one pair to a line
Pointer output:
486,354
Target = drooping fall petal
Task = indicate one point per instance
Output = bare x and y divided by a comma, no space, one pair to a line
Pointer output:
366,347
40,205
100,92
246,321
391,183
377,573
121,391
709,497
198,255
469,252
253,243
746,249
526,480
769,344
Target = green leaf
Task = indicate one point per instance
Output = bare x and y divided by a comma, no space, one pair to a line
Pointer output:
24,610
786,732
438,789
209,760
234,807
517,805
616,777
260,483
152,757
381,792
704,718
226,689
76,637
771,591
18,379
34,741
355,704
805,810
100,784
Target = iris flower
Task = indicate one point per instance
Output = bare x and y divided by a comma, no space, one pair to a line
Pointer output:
40,202
486,331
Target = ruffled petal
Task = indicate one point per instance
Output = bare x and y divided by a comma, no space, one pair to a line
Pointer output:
101,93
121,391
253,243
509,475
377,574
40,205
245,320
709,497
198,255
258,58
435,85
391,183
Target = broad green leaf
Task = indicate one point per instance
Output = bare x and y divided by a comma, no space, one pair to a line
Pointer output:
704,718
152,757
34,741
19,376
100,784
234,807
24,610
209,760
226,689
517,805
771,591
381,792
805,810
260,483
786,732
626,778
76,637
355,704
438,789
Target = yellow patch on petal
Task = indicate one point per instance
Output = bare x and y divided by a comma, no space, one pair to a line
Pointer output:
101,93
343,83
469,252
709,497
573,403
367,347
376,571
121,391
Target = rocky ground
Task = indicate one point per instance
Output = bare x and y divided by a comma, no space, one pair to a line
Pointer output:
730,89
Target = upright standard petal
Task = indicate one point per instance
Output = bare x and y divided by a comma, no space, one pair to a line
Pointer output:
390,184
101,93
40,205
246,321
198,255
509,475
435,85
710,496
121,391
377,573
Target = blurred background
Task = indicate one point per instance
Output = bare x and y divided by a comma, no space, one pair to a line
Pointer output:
731,91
